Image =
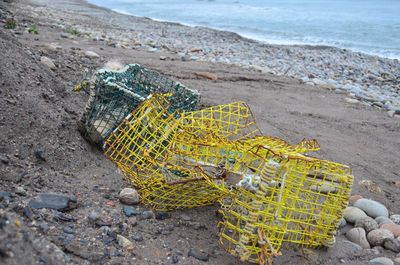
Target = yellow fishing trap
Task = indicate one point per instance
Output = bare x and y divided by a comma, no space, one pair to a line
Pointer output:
271,193
144,148
288,199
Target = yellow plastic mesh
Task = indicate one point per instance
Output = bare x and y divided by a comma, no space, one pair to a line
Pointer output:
290,198
232,121
146,149
270,193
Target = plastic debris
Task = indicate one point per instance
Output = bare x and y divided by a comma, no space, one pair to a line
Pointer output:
272,194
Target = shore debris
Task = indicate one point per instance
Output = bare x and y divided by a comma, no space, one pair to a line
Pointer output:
271,193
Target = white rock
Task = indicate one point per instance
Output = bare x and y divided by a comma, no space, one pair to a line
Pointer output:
397,260
351,100
372,208
129,196
20,191
381,261
124,242
318,82
114,65
48,62
352,214
91,54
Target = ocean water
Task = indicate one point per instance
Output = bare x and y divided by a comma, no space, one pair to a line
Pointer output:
369,26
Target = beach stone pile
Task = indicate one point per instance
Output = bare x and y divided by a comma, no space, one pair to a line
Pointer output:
373,226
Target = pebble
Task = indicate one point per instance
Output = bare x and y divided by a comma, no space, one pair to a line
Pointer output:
162,215
124,242
383,220
197,254
4,159
163,58
392,244
138,237
372,208
20,191
129,196
395,229
174,259
130,211
378,236
352,214
28,212
395,218
48,62
68,230
44,227
368,223
381,261
93,216
91,54
357,235
185,217
54,201
4,195
342,223
147,215
351,100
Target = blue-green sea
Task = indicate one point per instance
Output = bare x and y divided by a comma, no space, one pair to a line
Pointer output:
369,26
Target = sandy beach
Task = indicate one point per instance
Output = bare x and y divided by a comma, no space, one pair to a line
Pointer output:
349,102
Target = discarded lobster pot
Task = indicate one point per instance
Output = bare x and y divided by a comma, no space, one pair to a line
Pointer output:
149,147
115,94
272,194
290,199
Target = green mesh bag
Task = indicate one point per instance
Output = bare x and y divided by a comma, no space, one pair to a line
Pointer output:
116,93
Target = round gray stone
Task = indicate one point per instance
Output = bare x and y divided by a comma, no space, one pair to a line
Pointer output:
342,223
383,220
357,235
381,261
352,214
129,196
392,244
372,208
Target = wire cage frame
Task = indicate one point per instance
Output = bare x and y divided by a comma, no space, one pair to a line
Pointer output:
143,148
297,200
115,94
271,194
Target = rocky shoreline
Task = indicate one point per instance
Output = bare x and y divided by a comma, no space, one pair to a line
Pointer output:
373,80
